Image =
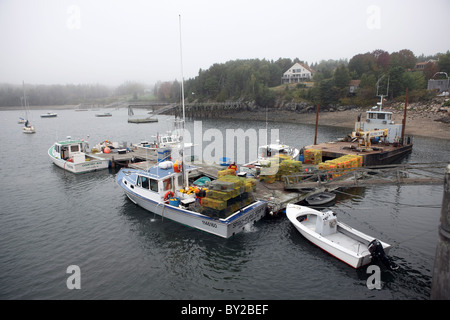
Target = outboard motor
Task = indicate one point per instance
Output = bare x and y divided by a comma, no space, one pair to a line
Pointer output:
376,250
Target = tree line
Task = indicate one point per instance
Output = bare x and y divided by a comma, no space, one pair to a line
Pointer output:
70,94
260,80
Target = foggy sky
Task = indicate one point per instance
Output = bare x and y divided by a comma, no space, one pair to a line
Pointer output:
110,42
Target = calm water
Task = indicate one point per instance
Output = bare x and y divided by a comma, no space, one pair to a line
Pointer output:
50,220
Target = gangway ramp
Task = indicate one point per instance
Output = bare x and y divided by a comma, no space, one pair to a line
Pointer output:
399,174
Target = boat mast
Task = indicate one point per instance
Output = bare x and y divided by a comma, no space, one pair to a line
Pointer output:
381,96
183,168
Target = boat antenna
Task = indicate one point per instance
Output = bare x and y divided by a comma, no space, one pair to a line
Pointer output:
381,95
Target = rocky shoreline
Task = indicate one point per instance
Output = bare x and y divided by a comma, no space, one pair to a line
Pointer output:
431,119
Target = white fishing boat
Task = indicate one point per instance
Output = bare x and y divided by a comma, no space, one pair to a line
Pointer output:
104,114
338,239
267,151
161,189
71,155
266,154
49,115
225,209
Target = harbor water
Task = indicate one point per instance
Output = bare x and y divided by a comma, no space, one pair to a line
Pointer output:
51,219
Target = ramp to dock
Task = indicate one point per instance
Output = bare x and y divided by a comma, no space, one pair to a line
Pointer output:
406,174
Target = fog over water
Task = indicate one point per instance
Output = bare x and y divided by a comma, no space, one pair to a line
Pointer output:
110,42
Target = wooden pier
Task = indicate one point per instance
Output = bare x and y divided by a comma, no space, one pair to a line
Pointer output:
297,187
134,158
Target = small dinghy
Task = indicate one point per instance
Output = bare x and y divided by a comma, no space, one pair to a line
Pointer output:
338,239
320,198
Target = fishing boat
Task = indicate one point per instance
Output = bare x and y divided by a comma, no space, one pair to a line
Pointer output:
266,155
320,198
49,115
71,155
227,209
338,239
267,151
104,114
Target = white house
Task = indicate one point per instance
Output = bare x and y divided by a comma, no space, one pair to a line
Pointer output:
297,73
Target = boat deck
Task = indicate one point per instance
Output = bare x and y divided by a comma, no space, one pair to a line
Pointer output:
340,238
381,152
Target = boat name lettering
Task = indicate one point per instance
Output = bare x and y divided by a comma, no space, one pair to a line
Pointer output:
251,217
210,224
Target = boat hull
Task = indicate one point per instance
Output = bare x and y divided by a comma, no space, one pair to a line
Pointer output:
342,245
28,130
224,228
93,164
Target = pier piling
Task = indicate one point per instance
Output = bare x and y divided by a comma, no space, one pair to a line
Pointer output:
440,288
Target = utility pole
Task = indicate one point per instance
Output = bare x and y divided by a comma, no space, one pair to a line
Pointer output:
440,287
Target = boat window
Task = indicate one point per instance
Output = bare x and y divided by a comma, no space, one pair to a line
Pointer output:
381,116
138,181
74,148
371,115
144,182
388,116
154,185
57,148
169,139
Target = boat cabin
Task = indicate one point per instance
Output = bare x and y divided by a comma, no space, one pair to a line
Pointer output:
380,120
159,183
271,150
70,150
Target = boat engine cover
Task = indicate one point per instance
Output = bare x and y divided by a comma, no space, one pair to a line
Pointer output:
326,223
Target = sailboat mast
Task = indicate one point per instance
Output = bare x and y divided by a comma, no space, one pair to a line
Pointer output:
182,77
183,167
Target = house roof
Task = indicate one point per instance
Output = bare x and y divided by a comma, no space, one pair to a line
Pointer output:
354,83
302,65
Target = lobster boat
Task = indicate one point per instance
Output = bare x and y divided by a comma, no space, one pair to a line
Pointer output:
222,207
71,155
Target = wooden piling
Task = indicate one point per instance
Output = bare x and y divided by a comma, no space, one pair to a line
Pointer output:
317,124
440,288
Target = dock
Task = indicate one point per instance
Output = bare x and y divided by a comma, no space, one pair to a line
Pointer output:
275,194
297,187
134,158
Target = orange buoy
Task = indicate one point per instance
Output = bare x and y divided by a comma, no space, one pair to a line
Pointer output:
107,150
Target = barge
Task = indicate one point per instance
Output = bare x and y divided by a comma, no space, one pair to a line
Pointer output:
378,140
